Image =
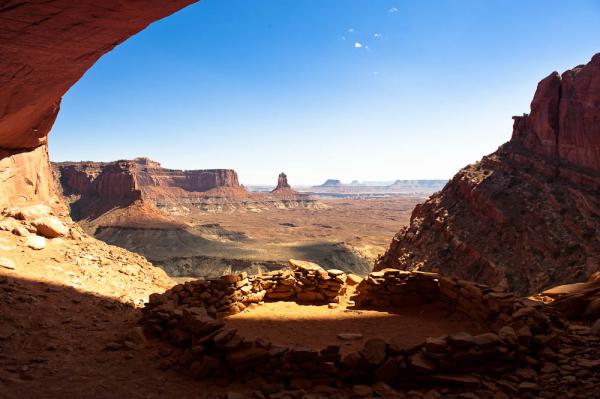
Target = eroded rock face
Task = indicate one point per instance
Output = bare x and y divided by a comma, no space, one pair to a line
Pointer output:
528,216
25,176
45,47
126,181
285,191
564,124
282,181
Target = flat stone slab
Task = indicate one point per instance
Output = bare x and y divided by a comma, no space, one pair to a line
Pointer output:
350,336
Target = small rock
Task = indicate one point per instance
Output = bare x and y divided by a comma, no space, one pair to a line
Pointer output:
461,339
526,374
362,391
436,345
384,390
20,231
353,279
529,387
588,363
113,346
457,379
350,336
7,263
419,362
36,242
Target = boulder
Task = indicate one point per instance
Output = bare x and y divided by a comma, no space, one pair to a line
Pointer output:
32,212
50,227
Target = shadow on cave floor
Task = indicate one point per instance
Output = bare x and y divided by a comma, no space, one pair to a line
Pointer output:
53,344
317,326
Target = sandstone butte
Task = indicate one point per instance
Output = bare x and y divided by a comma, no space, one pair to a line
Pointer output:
284,190
524,217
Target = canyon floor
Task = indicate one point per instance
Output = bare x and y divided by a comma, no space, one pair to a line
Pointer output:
346,234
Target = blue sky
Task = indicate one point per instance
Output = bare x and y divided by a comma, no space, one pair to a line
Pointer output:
346,89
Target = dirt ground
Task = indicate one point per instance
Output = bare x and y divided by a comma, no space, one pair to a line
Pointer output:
317,326
62,307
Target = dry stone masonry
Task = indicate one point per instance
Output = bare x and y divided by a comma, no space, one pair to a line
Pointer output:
190,316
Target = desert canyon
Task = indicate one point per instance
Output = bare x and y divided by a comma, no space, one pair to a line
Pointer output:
490,290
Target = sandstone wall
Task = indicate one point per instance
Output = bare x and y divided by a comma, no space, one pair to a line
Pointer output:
185,316
130,179
564,123
45,47
111,182
25,177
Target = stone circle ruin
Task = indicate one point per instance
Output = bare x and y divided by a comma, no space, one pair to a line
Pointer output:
192,317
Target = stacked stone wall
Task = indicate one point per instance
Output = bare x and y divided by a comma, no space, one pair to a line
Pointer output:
190,317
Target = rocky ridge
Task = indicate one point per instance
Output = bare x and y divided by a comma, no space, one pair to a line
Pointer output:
526,217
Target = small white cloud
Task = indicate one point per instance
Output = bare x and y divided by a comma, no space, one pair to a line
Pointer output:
351,30
343,37
357,45
377,35
376,73
393,10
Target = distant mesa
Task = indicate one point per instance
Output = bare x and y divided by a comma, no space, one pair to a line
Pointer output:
434,185
355,183
94,188
331,183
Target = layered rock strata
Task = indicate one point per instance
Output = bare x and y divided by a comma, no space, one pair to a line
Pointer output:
127,181
526,217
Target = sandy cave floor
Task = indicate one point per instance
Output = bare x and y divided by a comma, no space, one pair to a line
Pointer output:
317,326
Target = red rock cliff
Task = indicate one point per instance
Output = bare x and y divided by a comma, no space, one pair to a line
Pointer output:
45,47
528,216
104,185
564,123
150,173
111,182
